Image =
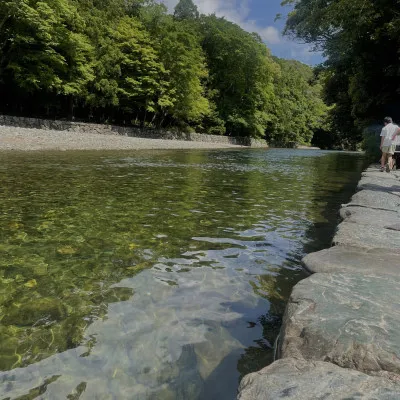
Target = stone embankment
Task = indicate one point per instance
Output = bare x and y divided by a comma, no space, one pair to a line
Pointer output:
18,133
340,337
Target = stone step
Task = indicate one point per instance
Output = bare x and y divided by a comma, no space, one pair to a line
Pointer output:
366,237
376,199
353,260
352,320
368,216
293,379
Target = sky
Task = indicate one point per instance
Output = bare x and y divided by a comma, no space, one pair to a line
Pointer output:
258,16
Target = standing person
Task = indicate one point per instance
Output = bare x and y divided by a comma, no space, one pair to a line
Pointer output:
387,144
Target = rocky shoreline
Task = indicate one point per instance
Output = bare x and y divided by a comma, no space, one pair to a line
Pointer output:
340,335
32,134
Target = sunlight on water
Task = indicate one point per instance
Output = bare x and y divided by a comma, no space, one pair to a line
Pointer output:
154,275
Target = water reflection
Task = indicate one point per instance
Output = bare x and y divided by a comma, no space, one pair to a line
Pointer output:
154,275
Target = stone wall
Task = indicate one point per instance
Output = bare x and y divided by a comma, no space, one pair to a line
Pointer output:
81,127
340,334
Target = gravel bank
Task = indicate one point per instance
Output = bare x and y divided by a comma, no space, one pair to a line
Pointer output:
12,138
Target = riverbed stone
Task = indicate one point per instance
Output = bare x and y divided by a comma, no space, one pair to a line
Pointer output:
352,320
35,312
371,237
368,216
376,199
348,259
304,380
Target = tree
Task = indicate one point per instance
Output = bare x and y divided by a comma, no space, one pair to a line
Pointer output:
179,50
44,48
241,76
298,109
360,39
186,9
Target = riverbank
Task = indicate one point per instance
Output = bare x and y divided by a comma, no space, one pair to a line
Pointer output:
29,139
26,139
18,133
339,337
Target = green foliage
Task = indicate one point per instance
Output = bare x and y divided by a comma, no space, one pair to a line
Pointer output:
241,73
299,110
43,46
138,78
371,142
130,62
360,39
179,50
186,9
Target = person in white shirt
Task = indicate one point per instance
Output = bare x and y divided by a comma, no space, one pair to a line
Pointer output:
388,145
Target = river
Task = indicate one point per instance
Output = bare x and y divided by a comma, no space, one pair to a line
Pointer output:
155,274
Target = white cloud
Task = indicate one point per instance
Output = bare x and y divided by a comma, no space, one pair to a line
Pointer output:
269,34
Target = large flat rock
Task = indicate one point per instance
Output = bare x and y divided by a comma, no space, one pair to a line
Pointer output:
380,183
366,237
353,260
368,216
351,320
374,171
304,380
376,199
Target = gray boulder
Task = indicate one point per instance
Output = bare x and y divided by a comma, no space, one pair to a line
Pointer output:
375,173
353,260
304,380
376,183
351,320
371,237
376,199
368,216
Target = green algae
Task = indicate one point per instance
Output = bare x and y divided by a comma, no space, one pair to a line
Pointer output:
73,226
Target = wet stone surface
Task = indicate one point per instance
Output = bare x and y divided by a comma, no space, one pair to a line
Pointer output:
351,320
368,216
370,237
376,200
304,380
353,260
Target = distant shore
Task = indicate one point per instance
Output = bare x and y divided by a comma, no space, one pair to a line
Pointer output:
28,139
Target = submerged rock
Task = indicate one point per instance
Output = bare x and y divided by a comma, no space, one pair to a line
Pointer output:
35,312
304,380
352,320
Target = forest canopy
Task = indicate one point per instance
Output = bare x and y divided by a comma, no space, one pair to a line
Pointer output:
360,40
130,62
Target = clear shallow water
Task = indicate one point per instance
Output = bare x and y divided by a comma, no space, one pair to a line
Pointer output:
154,275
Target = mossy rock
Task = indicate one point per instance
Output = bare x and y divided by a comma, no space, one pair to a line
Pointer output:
37,311
113,295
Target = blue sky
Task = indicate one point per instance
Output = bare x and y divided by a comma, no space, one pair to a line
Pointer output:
258,16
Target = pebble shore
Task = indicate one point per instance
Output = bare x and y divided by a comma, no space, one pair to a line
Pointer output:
28,139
